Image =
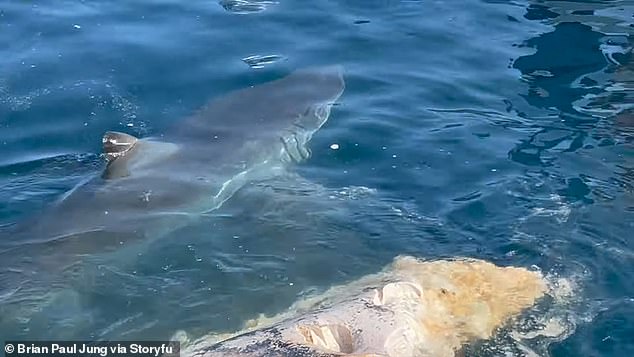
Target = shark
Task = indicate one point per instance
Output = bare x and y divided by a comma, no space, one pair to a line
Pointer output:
153,185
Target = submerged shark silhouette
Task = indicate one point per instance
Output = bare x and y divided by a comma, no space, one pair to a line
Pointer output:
153,185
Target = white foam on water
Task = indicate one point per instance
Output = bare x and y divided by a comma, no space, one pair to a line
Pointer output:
19,103
355,192
561,210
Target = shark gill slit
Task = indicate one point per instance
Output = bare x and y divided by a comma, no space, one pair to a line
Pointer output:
306,153
299,126
293,150
301,148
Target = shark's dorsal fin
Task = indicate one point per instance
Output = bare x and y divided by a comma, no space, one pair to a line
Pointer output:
116,144
126,154
115,147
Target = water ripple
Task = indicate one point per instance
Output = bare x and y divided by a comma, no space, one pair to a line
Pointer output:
245,6
259,61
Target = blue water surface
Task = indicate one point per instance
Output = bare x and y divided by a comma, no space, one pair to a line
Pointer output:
499,130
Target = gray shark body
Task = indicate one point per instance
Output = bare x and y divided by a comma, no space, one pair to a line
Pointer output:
152,184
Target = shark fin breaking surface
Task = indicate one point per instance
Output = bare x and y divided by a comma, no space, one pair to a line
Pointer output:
126,154
116,144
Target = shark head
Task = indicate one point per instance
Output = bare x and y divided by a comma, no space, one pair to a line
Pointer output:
323,86
316,90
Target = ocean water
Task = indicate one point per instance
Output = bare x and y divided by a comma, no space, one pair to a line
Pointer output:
499,130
